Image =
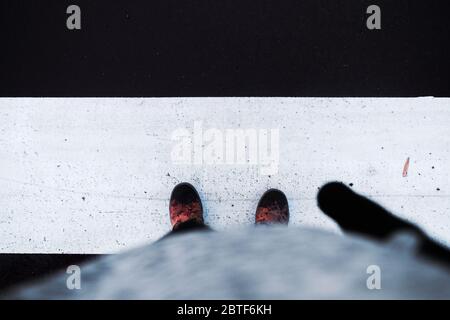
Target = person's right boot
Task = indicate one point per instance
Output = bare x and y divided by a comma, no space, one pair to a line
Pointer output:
272,208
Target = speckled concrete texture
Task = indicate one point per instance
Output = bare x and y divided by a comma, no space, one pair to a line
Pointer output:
93,175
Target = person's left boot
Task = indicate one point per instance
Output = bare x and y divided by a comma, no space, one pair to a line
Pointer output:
185,206
272,208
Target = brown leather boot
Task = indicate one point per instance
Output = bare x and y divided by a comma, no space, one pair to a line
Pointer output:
185,205
272,208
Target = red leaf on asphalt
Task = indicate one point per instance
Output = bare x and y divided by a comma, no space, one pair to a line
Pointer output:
406,167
